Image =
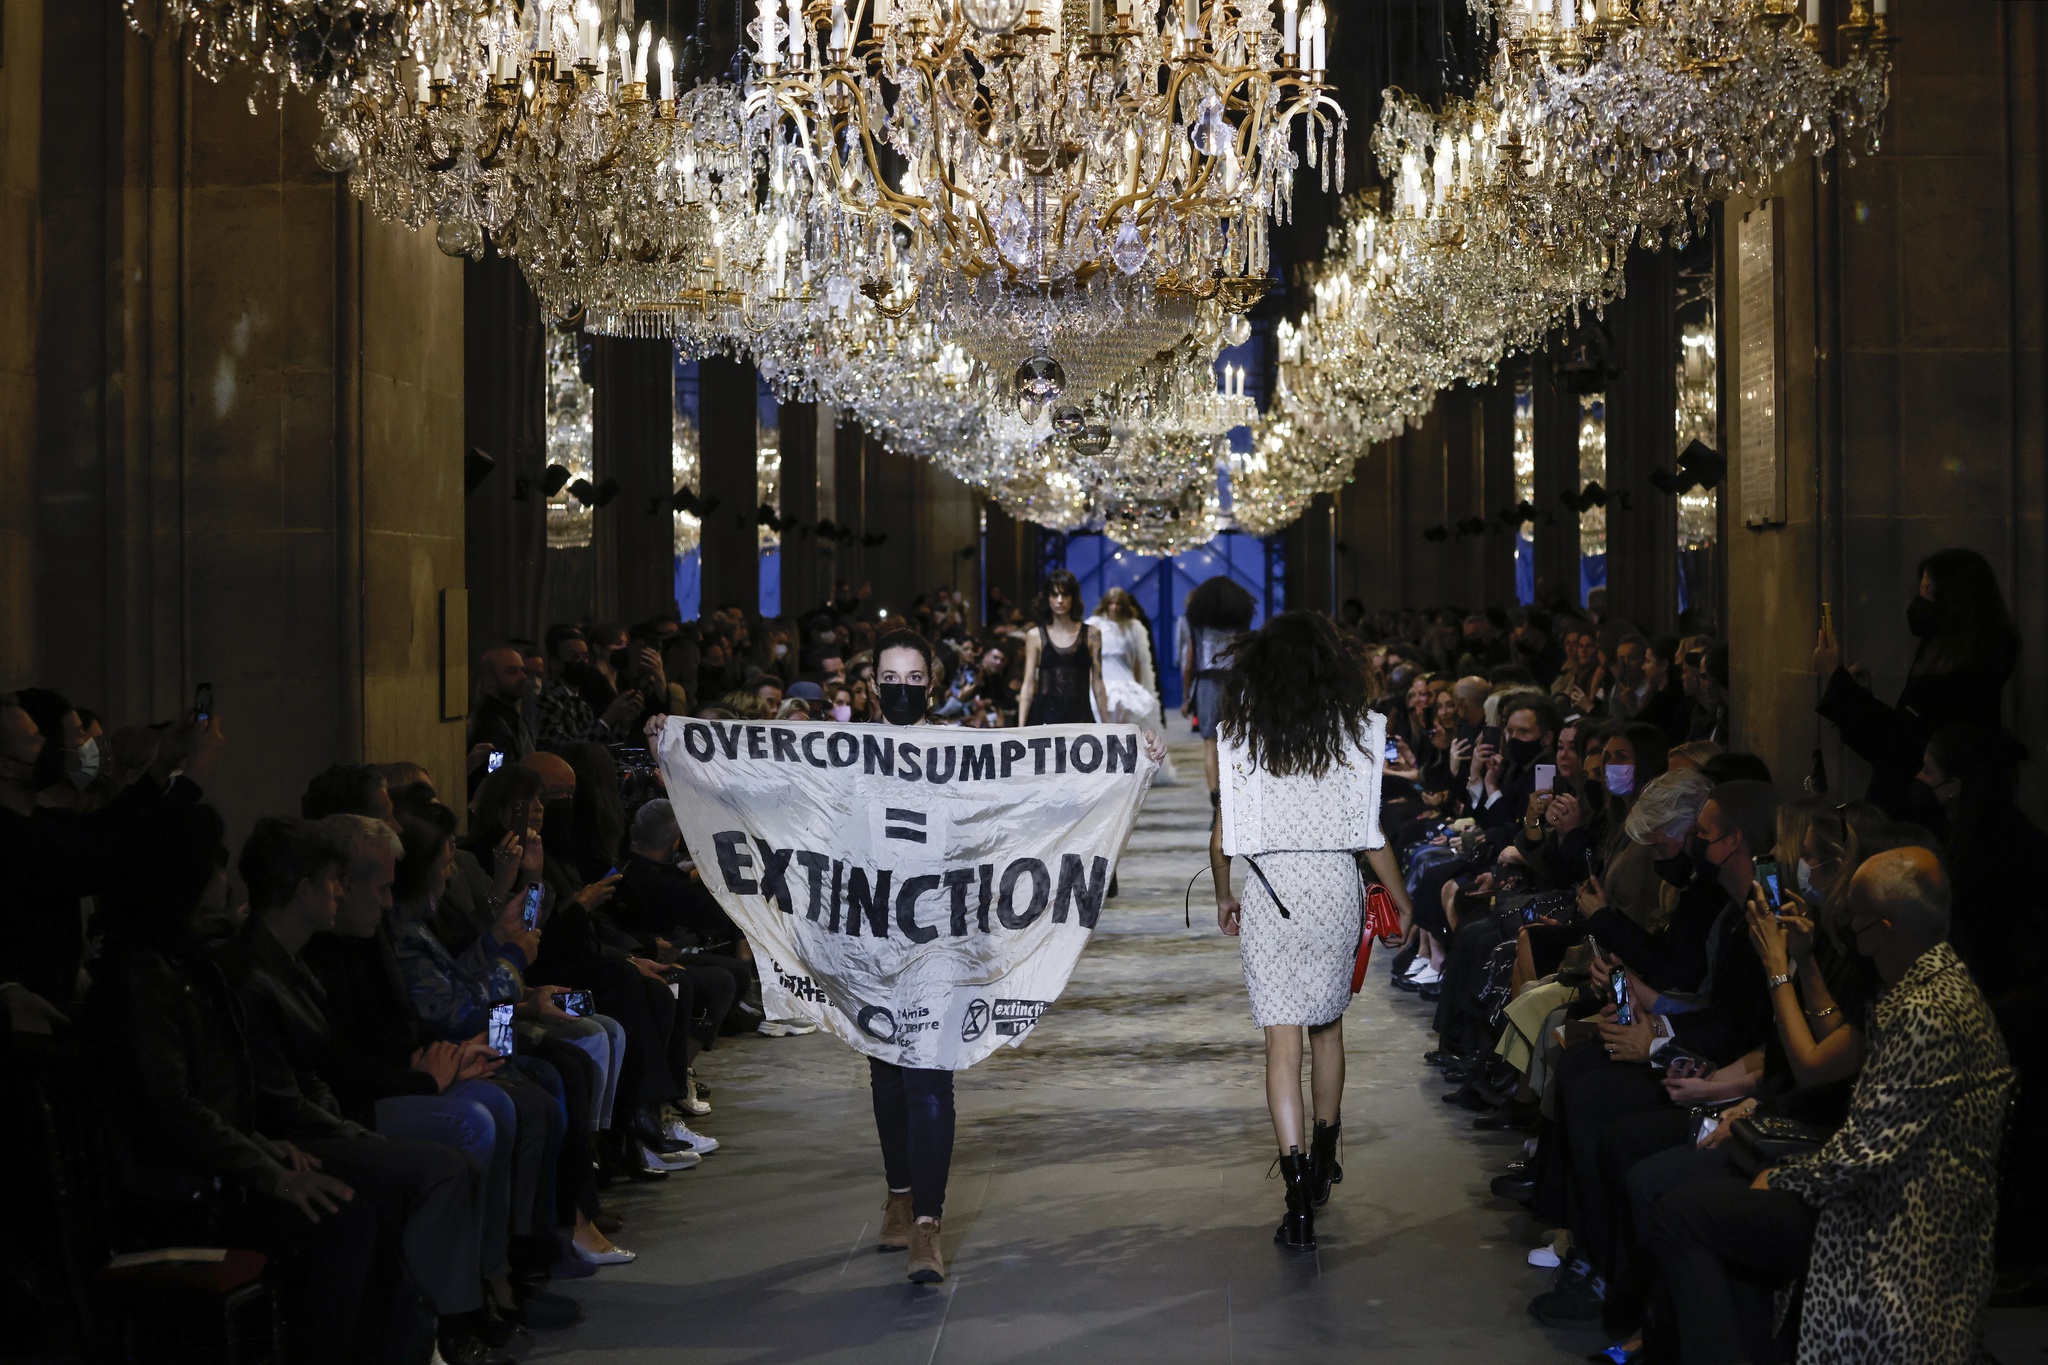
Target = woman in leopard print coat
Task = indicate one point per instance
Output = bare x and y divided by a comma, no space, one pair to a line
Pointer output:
1907,1190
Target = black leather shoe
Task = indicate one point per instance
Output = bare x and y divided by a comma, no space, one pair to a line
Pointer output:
1475,1096
1323,1170
1518,1188
1509,1116
463,1347
1433,992
1297,1231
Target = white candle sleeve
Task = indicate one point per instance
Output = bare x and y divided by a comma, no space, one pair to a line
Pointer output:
665,60
1290,20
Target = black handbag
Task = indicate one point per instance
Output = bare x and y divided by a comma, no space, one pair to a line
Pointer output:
1762,1140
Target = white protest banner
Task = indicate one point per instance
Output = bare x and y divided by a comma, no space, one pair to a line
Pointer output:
921,891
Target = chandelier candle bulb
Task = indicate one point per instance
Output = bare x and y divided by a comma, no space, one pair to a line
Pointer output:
1191,20
1289,24
838,39
665,62
623,41
1813,13
884,13
424,91
640,53
798,32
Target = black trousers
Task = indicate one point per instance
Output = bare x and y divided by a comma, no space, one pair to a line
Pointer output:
1592,1092
421,1192
1722,1248
1612,1245
914,1119
717,982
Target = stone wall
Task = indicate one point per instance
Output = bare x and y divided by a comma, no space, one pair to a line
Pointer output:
246,422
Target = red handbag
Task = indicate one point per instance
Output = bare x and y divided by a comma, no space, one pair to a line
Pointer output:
1381,920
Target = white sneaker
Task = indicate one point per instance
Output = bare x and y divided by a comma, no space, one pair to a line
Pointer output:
1416,968
685,1138
785,1028
678,1160
1428,976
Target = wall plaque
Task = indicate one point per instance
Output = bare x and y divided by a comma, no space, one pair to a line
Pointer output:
1760,367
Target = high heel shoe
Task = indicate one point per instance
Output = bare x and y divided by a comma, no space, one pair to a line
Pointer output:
1323,1170
1297,1231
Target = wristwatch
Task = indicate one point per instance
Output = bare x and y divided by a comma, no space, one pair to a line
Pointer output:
1782,979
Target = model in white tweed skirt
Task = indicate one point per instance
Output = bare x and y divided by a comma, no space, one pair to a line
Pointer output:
1299,755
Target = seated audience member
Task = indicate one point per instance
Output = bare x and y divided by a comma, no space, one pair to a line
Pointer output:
452,998
292,871
1507,778
583,948
1612,1109
387,1076
665,906
501,718
193,1152
1890,1222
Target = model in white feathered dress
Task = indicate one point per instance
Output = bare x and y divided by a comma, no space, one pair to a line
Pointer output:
1127,675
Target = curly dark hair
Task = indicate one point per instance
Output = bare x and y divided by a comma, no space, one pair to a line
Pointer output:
1297,694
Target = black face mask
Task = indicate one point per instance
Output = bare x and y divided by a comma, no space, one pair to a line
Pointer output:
558,824
1676,870
1523,753
1923,618
902,703
1704,868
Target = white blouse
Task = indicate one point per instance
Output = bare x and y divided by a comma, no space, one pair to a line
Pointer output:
1339,811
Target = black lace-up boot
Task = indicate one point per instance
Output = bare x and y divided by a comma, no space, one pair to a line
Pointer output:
1323,1170
1297,1231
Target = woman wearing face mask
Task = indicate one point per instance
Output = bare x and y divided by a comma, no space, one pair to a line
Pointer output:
914,1105
1967,650
1062,661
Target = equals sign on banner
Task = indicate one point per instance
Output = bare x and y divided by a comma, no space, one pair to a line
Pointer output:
904,830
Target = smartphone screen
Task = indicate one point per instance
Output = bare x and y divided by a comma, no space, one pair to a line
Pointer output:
1546,776
1767,878
575,1003
202,704
1393,752
1490,737
1619,778
530,913
494,762
1624,1013
501,1030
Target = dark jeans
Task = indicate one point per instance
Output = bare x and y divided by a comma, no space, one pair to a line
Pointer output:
914,1118
1722,1249
564,1071
1592,1092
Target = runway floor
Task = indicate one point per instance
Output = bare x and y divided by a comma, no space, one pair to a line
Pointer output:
1110,1196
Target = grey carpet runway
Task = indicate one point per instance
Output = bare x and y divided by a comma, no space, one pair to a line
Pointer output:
1109,1198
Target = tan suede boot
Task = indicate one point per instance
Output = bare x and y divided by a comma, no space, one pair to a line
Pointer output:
927,1265
896,1222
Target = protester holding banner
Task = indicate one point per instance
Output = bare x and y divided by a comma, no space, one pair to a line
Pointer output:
825,842
1062,661
1299,758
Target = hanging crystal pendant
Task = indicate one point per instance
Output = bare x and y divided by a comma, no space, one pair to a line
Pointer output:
1130,250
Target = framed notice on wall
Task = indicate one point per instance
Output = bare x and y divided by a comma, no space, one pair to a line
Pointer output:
1760,367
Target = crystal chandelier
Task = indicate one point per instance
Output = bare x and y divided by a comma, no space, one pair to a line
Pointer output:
1068,179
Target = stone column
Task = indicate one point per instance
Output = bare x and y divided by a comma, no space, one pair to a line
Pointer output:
504,415
633,435
1642,523
1557,471
804,581
732,564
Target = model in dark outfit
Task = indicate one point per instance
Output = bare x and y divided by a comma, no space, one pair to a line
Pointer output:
1061,694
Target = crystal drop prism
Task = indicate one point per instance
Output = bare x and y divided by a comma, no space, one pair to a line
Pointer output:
1130,250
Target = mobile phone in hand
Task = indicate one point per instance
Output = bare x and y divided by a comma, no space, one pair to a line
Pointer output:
202,704
1767,878
1624,1009
495,761
1546,776
500,1037
576,1004
530,912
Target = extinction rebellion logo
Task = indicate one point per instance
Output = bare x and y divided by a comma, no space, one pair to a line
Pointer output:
976,1022
1017,1016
